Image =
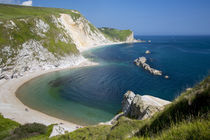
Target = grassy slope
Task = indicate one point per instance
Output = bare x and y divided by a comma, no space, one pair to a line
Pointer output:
12,130
188,116
114,34
17,11
6,125
17,36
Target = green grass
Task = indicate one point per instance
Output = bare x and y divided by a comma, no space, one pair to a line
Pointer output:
188,131
44,136
196,129
124,128
14,38
17,11
88,133
6,126
115,35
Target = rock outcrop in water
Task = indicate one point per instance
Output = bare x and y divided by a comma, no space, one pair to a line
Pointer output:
141,107
141,61
147,52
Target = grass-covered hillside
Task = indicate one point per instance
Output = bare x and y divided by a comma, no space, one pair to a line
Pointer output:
115,34
18,24
18,11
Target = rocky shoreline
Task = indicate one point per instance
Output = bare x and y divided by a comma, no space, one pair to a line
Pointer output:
141,107
138,107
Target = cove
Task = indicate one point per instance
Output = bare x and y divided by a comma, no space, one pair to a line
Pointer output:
90,95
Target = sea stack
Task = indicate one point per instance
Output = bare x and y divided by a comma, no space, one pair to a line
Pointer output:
141,61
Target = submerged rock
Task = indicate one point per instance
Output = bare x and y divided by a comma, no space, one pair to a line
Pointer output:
141,61
141,107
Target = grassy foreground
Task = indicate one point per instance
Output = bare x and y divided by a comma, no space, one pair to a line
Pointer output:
11,130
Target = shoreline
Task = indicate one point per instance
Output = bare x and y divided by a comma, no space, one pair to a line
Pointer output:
12,108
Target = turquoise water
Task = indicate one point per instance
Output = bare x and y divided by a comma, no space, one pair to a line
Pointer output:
93,94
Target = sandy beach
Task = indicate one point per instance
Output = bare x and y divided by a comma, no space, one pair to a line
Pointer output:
11,107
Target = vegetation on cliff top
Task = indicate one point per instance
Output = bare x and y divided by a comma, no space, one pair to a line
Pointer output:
18,11
114,34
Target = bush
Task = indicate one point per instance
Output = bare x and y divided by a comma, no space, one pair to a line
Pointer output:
28,130
6,126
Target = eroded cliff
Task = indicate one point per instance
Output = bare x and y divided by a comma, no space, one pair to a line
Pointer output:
34,38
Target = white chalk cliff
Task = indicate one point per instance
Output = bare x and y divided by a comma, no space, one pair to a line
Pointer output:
56,41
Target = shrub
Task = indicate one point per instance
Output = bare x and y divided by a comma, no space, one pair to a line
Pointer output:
28,130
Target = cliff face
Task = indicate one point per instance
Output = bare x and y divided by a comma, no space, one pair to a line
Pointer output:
42,38
141,107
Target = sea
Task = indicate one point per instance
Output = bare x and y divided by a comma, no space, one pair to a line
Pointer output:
91,95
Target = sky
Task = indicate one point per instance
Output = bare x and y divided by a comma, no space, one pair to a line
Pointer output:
144,17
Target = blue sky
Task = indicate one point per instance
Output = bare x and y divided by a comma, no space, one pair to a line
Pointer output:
144,17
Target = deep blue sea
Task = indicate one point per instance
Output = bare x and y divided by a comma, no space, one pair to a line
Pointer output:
93,94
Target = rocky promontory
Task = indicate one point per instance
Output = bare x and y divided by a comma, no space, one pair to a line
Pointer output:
141,61
141,107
